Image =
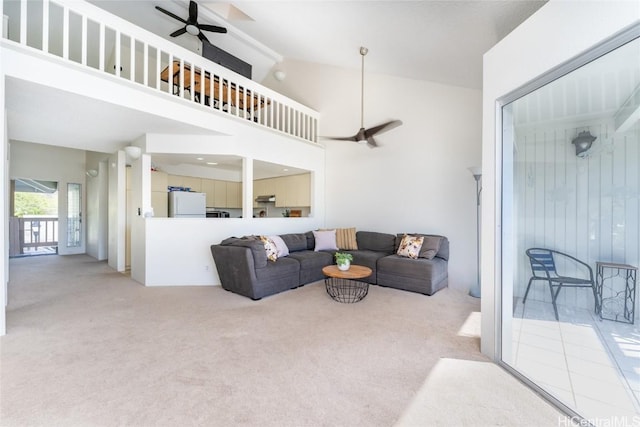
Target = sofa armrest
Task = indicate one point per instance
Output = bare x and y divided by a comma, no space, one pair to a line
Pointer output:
236,268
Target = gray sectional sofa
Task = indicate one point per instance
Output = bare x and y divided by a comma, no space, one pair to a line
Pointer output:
244,269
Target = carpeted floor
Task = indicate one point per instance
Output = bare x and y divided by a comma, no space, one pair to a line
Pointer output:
87,346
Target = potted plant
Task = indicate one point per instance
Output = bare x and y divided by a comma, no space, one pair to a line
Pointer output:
343,260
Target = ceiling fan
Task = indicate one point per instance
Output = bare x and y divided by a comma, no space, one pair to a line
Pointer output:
191,24
366,135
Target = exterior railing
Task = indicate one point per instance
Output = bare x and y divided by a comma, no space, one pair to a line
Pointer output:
80,32
32,234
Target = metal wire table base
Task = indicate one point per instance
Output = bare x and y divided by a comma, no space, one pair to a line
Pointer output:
346,290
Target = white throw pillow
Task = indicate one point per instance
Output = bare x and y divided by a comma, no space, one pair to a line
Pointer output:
281,246
325,240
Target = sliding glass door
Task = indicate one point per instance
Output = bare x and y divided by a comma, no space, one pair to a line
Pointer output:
571,208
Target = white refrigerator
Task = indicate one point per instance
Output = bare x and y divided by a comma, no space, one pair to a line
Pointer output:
184,204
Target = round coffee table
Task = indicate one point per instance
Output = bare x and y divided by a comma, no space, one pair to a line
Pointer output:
343,286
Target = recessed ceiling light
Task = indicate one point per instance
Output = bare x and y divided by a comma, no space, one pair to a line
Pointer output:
199,158
212,163
285,170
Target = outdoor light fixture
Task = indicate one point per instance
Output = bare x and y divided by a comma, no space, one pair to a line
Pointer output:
583,143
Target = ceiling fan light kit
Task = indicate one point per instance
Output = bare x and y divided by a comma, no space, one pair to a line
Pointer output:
365,136
191,25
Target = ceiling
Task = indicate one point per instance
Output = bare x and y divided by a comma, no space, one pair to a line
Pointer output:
440,41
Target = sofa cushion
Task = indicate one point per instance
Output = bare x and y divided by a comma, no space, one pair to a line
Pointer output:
311,263
367,259
377,242
425,276
325,240
311,241
295,241
410,246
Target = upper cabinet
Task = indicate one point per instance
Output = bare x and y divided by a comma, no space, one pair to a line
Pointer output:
290,191
159,199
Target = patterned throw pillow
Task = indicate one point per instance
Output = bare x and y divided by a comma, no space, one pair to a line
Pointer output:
281,246
270,247
410,246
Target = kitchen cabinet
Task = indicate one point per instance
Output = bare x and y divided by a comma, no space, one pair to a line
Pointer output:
259,189
234,194
159,199
208,188
302,185
175,180
220,194
293,191
191,182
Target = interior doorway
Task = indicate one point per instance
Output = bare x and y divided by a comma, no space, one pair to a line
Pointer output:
33,223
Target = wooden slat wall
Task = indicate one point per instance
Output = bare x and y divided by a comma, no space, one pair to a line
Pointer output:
587,207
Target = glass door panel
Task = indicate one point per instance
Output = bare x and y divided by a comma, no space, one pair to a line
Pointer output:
74,215
571,201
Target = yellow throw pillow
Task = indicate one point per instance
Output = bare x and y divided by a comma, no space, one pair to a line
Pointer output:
346,238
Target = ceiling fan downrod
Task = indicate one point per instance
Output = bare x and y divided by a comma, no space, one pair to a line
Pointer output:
363,52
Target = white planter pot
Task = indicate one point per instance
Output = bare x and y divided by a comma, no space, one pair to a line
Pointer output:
344,266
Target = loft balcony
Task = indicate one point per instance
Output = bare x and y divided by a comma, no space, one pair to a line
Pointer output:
82,36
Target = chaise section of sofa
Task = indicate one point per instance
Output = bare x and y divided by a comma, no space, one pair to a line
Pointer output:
244,269
422,275
372,246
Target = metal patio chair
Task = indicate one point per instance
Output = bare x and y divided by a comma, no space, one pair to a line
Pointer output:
543,267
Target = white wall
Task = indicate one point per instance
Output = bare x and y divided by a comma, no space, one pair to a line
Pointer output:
50,163
552,36
417,180
4,196
116,207
97,213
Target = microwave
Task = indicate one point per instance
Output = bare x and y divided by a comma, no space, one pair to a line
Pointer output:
217,214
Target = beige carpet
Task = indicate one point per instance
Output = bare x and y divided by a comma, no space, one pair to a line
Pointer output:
87,346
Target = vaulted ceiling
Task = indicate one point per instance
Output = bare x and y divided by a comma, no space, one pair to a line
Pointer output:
440,41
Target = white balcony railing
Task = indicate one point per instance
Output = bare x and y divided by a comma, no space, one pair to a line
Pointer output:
80,32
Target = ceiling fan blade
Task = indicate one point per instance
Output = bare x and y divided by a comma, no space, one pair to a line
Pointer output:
166,12
383,127
179,32
203,37
371,143
341,138
193,12
212,28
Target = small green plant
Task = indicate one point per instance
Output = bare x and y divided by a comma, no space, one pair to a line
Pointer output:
342,258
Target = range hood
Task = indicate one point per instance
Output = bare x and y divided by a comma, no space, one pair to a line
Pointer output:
266,199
